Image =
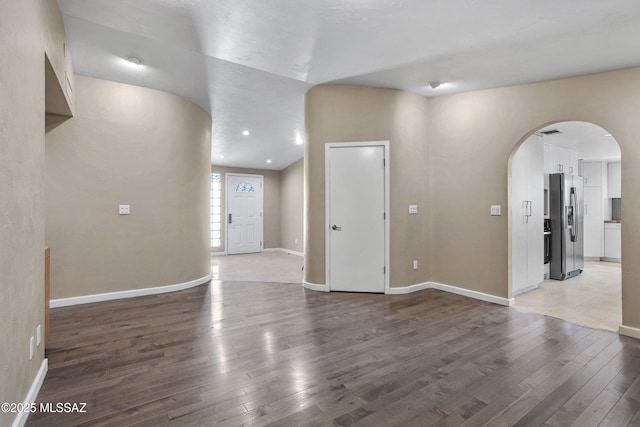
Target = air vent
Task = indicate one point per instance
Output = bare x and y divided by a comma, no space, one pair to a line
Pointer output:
550,132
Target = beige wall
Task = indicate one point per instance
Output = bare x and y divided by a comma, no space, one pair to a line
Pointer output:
271,204
341,113
472,137
292,189
136,146
24,27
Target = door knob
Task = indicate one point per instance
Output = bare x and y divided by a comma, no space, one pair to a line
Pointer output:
336,228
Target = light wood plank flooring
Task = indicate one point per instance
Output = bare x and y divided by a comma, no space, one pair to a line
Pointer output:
233,353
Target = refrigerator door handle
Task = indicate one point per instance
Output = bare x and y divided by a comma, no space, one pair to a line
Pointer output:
573,212
576,214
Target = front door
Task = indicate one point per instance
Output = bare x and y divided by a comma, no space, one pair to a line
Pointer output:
244,213
356,218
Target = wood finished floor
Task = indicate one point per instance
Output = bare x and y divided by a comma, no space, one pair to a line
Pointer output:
235,353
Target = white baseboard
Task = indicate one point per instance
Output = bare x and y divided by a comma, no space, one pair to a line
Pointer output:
473,294
429,285
288,251
314,287
408,289
629,331
87,299
223,253
32,394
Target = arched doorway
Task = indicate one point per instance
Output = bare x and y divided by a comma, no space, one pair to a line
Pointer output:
565,250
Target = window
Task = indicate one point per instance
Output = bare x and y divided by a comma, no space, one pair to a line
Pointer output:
244,187
216,215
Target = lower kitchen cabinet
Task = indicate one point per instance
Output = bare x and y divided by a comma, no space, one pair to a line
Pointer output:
613,242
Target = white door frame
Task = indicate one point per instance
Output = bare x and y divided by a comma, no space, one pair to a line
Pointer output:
327,203
225,220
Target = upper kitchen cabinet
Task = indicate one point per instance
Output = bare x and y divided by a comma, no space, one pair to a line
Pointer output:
560,160
592,174
614,180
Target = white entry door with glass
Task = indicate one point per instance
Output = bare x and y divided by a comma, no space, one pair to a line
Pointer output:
244,213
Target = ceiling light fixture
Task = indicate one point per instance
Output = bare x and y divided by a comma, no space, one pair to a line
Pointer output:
607,134
221,156
269,161
435,84
299,139
245,132
134,60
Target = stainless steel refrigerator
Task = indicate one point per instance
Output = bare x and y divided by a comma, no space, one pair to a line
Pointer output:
566,200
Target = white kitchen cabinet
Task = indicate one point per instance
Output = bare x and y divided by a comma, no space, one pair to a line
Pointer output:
614,177
592,174
593,223
560,160
613,242
527,227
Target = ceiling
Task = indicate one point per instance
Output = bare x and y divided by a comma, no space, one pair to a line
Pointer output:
590,141
250,62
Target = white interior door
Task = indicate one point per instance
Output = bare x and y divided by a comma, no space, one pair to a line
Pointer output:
244,213
356,218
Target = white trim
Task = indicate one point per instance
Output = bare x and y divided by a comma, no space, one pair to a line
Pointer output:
287,251
408,289
434,285
226,210
387,208
473,294
87,299
314,287
223,253
629,331
32,394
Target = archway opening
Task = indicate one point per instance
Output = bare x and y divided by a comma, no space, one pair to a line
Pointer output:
565,224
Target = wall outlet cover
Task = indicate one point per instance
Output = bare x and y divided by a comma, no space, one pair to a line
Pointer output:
124,209
496,210
413,209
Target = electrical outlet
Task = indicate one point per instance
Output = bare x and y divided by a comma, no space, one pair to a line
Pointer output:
124,209
38,335
413,209
415,264
32,347
496,210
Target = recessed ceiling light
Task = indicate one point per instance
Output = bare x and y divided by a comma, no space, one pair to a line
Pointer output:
607,134
269,161
299,139
245,132
221,156
134,60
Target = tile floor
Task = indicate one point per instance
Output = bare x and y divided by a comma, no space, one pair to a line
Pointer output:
591,299
261,267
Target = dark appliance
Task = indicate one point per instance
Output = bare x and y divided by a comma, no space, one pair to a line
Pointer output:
565,208
547,241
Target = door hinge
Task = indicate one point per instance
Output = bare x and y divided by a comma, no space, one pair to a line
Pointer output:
260,214
384,215
260,243
384,162
384,270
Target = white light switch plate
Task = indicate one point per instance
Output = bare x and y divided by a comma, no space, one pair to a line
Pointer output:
413,209
124,209
496,210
